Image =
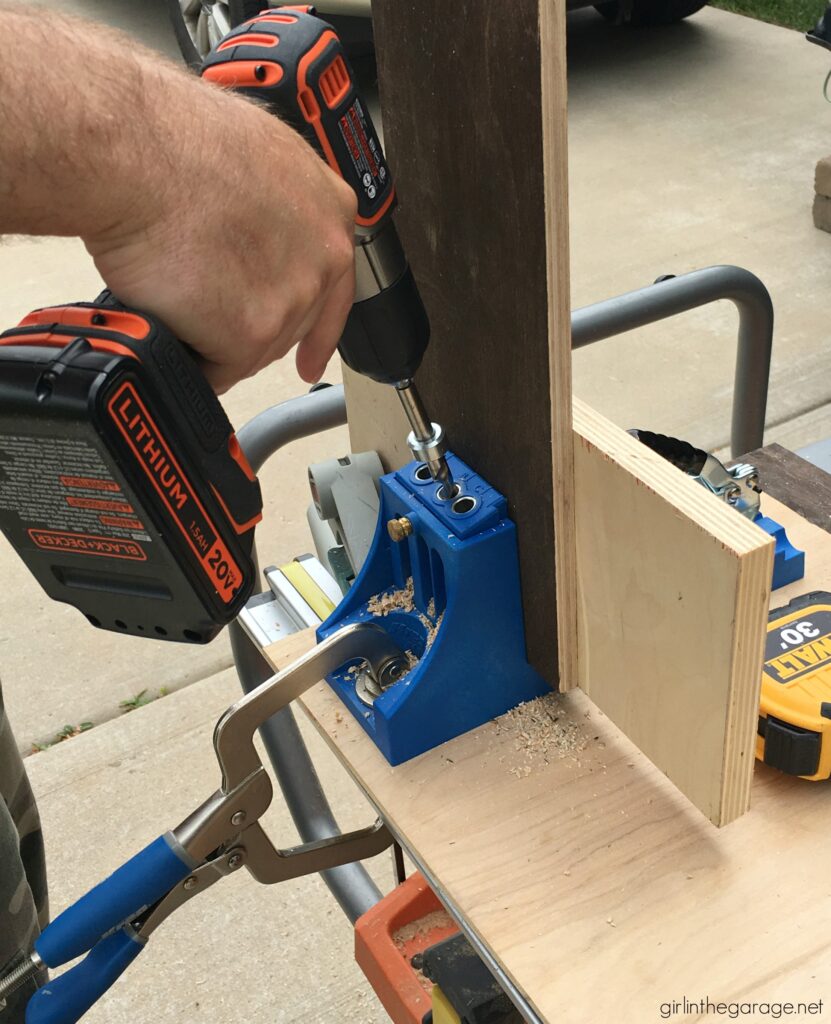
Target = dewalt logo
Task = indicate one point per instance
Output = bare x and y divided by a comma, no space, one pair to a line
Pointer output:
800,661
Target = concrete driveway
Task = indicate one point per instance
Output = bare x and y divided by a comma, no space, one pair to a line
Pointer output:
689,146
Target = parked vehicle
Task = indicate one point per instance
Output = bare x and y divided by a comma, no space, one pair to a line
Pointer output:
640,13
200,24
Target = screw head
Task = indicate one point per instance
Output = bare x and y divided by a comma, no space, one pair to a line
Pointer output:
234,861
191,883
238,818
399,529
733,494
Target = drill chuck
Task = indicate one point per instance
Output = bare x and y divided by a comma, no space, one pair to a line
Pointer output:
379,262
426,439
387,330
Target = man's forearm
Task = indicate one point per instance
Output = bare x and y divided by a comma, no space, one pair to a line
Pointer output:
85,124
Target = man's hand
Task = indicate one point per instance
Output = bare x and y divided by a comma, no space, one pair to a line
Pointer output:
196,205
244,245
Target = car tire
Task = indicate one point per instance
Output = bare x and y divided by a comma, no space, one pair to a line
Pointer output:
651,12
194,27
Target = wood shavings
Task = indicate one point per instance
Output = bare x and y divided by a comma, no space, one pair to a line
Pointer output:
432,625
423,980
423,926
542,732
432,629
402,600
416,936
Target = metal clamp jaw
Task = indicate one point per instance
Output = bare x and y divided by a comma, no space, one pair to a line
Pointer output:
225,830
738,485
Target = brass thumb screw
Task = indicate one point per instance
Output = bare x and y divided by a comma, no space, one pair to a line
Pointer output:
399,529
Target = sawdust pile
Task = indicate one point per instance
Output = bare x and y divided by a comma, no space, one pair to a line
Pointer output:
542,732
432,628
421,929
423,926
394,601
412,661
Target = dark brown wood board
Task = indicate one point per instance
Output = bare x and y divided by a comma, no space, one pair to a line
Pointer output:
473,96
795,482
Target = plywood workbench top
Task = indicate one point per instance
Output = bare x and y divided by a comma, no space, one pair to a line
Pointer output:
598,888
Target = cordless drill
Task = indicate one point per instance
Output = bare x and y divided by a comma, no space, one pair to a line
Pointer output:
294,64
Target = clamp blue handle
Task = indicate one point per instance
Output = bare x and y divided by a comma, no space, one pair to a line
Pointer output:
136,885
66,999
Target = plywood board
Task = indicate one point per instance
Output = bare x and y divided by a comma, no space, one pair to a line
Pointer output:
594,885
473,96
673,595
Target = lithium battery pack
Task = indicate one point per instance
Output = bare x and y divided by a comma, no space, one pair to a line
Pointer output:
122,485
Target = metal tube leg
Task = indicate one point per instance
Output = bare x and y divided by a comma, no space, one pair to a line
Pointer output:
351,884
298,417
673,295
294,769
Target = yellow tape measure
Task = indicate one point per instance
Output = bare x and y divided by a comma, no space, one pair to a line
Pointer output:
795,708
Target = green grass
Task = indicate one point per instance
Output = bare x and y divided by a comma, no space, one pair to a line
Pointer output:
141,699
66,733
798,14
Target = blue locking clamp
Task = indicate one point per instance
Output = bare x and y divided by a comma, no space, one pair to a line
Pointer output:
462,559
136,885
98,925
65,999
788,561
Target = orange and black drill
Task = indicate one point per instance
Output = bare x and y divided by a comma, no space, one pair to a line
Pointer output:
294,63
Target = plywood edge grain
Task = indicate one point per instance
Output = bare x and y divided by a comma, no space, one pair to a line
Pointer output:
555,171
673,589
752,600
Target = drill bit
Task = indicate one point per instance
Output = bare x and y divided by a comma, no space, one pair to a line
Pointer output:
426,440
